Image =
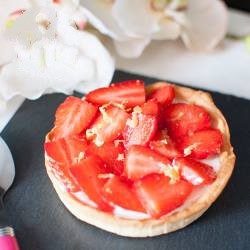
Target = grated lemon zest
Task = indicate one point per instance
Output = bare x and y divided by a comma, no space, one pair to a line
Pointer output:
171,171
79,157
90,133
105,176
105,115
120,157
133,122
188,150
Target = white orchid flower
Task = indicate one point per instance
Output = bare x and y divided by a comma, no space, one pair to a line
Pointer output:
53,54
133,24
7,15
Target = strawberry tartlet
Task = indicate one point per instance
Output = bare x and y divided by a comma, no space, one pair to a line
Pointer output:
139,161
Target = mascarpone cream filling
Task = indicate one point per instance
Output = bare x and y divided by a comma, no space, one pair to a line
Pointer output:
118,211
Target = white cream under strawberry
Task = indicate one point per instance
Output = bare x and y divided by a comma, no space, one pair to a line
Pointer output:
135,215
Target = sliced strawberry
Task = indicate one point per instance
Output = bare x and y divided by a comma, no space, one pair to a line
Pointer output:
202,144
62,153
195,172
130,93
169,150
184,119
73,116
88,174
141,161
162,144
164,95
108,125
139,130
150,107
122,194
111,154
159,196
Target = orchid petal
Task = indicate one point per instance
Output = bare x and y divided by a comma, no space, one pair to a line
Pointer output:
3,105
7,7
137,19
169,30
58,64
131,48
32,25
206,24
99,14
90,47
47,65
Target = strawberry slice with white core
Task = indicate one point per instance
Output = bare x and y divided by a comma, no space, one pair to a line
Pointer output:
141,161
108,125
73,116
195,172
184,119
202,144
121,193
159,196
140,128
89,176
130,93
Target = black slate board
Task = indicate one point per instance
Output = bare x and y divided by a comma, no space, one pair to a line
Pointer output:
42,222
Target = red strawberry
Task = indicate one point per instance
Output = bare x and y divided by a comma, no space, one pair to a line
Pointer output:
162,144
62,153
150,107
195,172
164,95
73,116
169,150
141,161
108,125
122,194
130,93
111,154
89,176
140,129
202,144
159,196
184,119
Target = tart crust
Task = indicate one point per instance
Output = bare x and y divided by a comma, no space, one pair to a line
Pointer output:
177,219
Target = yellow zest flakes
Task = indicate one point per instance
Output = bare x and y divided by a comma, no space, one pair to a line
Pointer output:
105,176
188,150
90,133
171,171
120,157
115,104
164,141
137,109
79,157
119,105
133,122
98,141
117,142
108,190
105,115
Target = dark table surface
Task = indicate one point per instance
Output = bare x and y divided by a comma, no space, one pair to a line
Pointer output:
239,4
42,222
